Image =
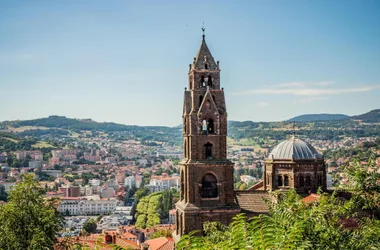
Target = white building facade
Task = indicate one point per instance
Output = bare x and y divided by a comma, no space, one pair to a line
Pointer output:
82,206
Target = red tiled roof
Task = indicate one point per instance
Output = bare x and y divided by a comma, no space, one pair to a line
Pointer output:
311,198
161,243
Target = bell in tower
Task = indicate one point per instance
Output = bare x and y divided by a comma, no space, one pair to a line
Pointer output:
207,190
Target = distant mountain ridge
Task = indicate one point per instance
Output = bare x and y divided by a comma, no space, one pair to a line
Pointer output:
318,117
372,116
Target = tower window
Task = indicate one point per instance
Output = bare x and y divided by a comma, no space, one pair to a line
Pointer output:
209,81
206,66
200,100
280,181
210,126
208,150
203,82
209,186
286,181
204,127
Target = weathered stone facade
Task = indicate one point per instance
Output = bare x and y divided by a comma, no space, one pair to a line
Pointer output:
207,191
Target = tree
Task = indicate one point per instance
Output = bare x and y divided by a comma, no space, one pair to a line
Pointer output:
90,226
28,221
3,194
363,184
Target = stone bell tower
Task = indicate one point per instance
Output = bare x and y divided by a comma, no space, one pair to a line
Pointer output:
207,190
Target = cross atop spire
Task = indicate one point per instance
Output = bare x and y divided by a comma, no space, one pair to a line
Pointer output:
203,30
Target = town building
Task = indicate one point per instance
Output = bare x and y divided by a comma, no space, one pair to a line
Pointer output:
163,182
130,182
70,191
84,206
94,182
35,164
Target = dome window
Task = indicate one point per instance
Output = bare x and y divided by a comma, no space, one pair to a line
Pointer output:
280,184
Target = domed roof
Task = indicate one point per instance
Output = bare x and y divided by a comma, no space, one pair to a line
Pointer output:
294,148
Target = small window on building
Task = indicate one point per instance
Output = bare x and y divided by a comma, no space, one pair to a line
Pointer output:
208,150
209,186
286,181
280,181
200,100
206,66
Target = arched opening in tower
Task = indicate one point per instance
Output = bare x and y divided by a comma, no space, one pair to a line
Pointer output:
200,100
209,186
210,126
204,127
209,81
206,66
208,150
203,82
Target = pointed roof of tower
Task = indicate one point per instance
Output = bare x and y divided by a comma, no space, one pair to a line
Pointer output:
204,57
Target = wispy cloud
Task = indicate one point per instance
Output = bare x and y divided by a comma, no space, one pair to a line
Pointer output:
306,89
309,100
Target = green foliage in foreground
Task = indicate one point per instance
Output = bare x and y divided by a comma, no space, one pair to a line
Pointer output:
292,224
28,221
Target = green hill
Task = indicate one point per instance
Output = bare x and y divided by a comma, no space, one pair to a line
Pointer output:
371,116
318,117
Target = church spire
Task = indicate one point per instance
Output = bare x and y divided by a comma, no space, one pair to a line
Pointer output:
204,59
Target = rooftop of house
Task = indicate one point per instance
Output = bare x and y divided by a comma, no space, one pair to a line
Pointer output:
252,201
161,243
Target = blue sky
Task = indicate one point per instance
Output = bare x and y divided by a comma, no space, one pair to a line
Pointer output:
127,61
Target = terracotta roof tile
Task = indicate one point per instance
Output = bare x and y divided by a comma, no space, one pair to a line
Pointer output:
161,243
252,202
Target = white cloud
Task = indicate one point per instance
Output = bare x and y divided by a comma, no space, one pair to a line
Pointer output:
309,100
306,89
